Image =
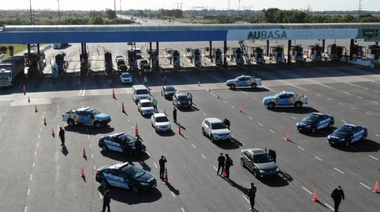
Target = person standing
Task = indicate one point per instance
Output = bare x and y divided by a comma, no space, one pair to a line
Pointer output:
154,103
221,162
145,81
229,163
106,200
162,162
62,136
252,194
272,154
127,151
175,114
337,196
190,98
227,123
138,146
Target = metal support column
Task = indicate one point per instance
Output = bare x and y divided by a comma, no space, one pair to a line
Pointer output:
211,51
225,53
267,48
323,46
158,54
289,52
150,46
352,44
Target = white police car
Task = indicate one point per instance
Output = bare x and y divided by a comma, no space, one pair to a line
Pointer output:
115,142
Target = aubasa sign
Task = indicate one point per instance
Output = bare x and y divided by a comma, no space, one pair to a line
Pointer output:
267,35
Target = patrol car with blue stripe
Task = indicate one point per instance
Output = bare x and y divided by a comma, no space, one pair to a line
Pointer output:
244,81
285,98
86,116
314,122
347,134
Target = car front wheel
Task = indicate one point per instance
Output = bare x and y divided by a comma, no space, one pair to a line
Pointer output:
364,137
104,183
347,144
298,105
97,124
254,85
242,162
135,189
70,122
232,86
313,130
271,105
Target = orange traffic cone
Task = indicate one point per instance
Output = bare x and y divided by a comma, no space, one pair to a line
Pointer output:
287,138
208,89
122,107
52,132
315,196
166,175
240,109
84,154
35,109
376,190
179,128
224,174
113,94
82,173
199,84
28,99
218,96
24,89
137,131
165,112
45,123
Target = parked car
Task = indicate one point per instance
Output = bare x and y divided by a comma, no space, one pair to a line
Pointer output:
347,134
168,91
161,122
127,176
259,162
126,77
285,99
86,116
145,107
314,122
115,142
180,100
244,81
215,129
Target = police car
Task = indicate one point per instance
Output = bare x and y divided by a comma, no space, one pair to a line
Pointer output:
243,81
285,98
127,176
86,116
114,142
347,134
314,122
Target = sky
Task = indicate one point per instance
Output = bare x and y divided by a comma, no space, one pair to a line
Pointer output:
314,5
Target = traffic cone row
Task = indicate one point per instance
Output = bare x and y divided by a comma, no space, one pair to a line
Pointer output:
315,196
218,96
82,174
122,107
45,123
84,154
240,109
376,190
113,94
137,131
199,84
52,132
179,128
224,174
287,138
208,89
24,90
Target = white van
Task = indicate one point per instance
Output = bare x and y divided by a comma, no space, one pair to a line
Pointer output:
140,92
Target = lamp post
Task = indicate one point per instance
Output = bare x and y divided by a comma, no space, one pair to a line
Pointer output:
114,5
120,6
31,13
59,14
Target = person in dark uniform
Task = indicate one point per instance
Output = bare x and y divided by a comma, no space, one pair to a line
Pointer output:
127,151
229,163
162,162
252,194
138,146
272,154
106,200
337,196
221,162
227,123
175,114
62,136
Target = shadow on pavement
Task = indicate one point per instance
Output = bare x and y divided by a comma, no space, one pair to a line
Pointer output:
290,109
82,129
126,196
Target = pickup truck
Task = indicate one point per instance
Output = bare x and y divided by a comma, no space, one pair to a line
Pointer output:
86,116
285,99
244,80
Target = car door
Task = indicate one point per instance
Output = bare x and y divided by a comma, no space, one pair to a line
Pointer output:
113,178
323,121
86,118
208,128
282,99
240,81
248,160
357,134
114,144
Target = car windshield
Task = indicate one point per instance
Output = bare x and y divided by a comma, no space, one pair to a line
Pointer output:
218,126
344,130
128,138
125,75
182,98
310,118
142,91
170,89
162,119
261,158
146,104
93,111
133,171
137,51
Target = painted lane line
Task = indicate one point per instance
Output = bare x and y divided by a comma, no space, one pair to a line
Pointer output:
94,167
35,153
90,146
193,146
92,156
33,164
340,103
377,135
360,97
260,124
368,113
373,157
183,210
329,99
329,206
326,86
354,85
347,93
224,101
215,168
344,121
147,152
318,158
294,118
31,177
375,102
272,131
203,156
172,193
155,165
26,209
243,92
365,88
253,97
353,108
339,170
28,192
318,94
37,144
204,114
307,190
365,186
301,148
246,199
250,117
39,136
232,106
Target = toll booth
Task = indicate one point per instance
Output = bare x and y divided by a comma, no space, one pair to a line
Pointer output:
132,61
297,53
84,64
258,54
176,59
153,58
315,52
108,62
238,55
335,52
277,54
35,60
196,54
358,52
374,51
60,62
218,57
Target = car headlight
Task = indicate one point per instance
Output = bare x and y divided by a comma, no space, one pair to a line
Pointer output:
342,139
278,169
308,126
262,171
144,184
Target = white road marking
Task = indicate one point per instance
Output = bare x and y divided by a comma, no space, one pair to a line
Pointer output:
147,152
193,146
344,121
272,131
347,93
260,124
294,118
31,177
37,144
243,92
28,191
92,156
215,168
375,102
353,108
307,190
329,99
318,94
246,199
318,158
35,153
360,97
250,117
326,86
377,135
155,165
368,113
224,101
339,170
94,167
203,156
39,136
33,164
365,186
329,206
90,146
232,106
204,115
26,209
183,210
373,157
301,148
172,193
340,103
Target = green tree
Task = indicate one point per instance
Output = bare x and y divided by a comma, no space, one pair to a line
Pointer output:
111,14
96,20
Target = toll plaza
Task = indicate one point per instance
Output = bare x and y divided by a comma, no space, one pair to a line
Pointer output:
228,44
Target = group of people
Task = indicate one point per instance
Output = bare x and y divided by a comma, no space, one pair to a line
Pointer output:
224,164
